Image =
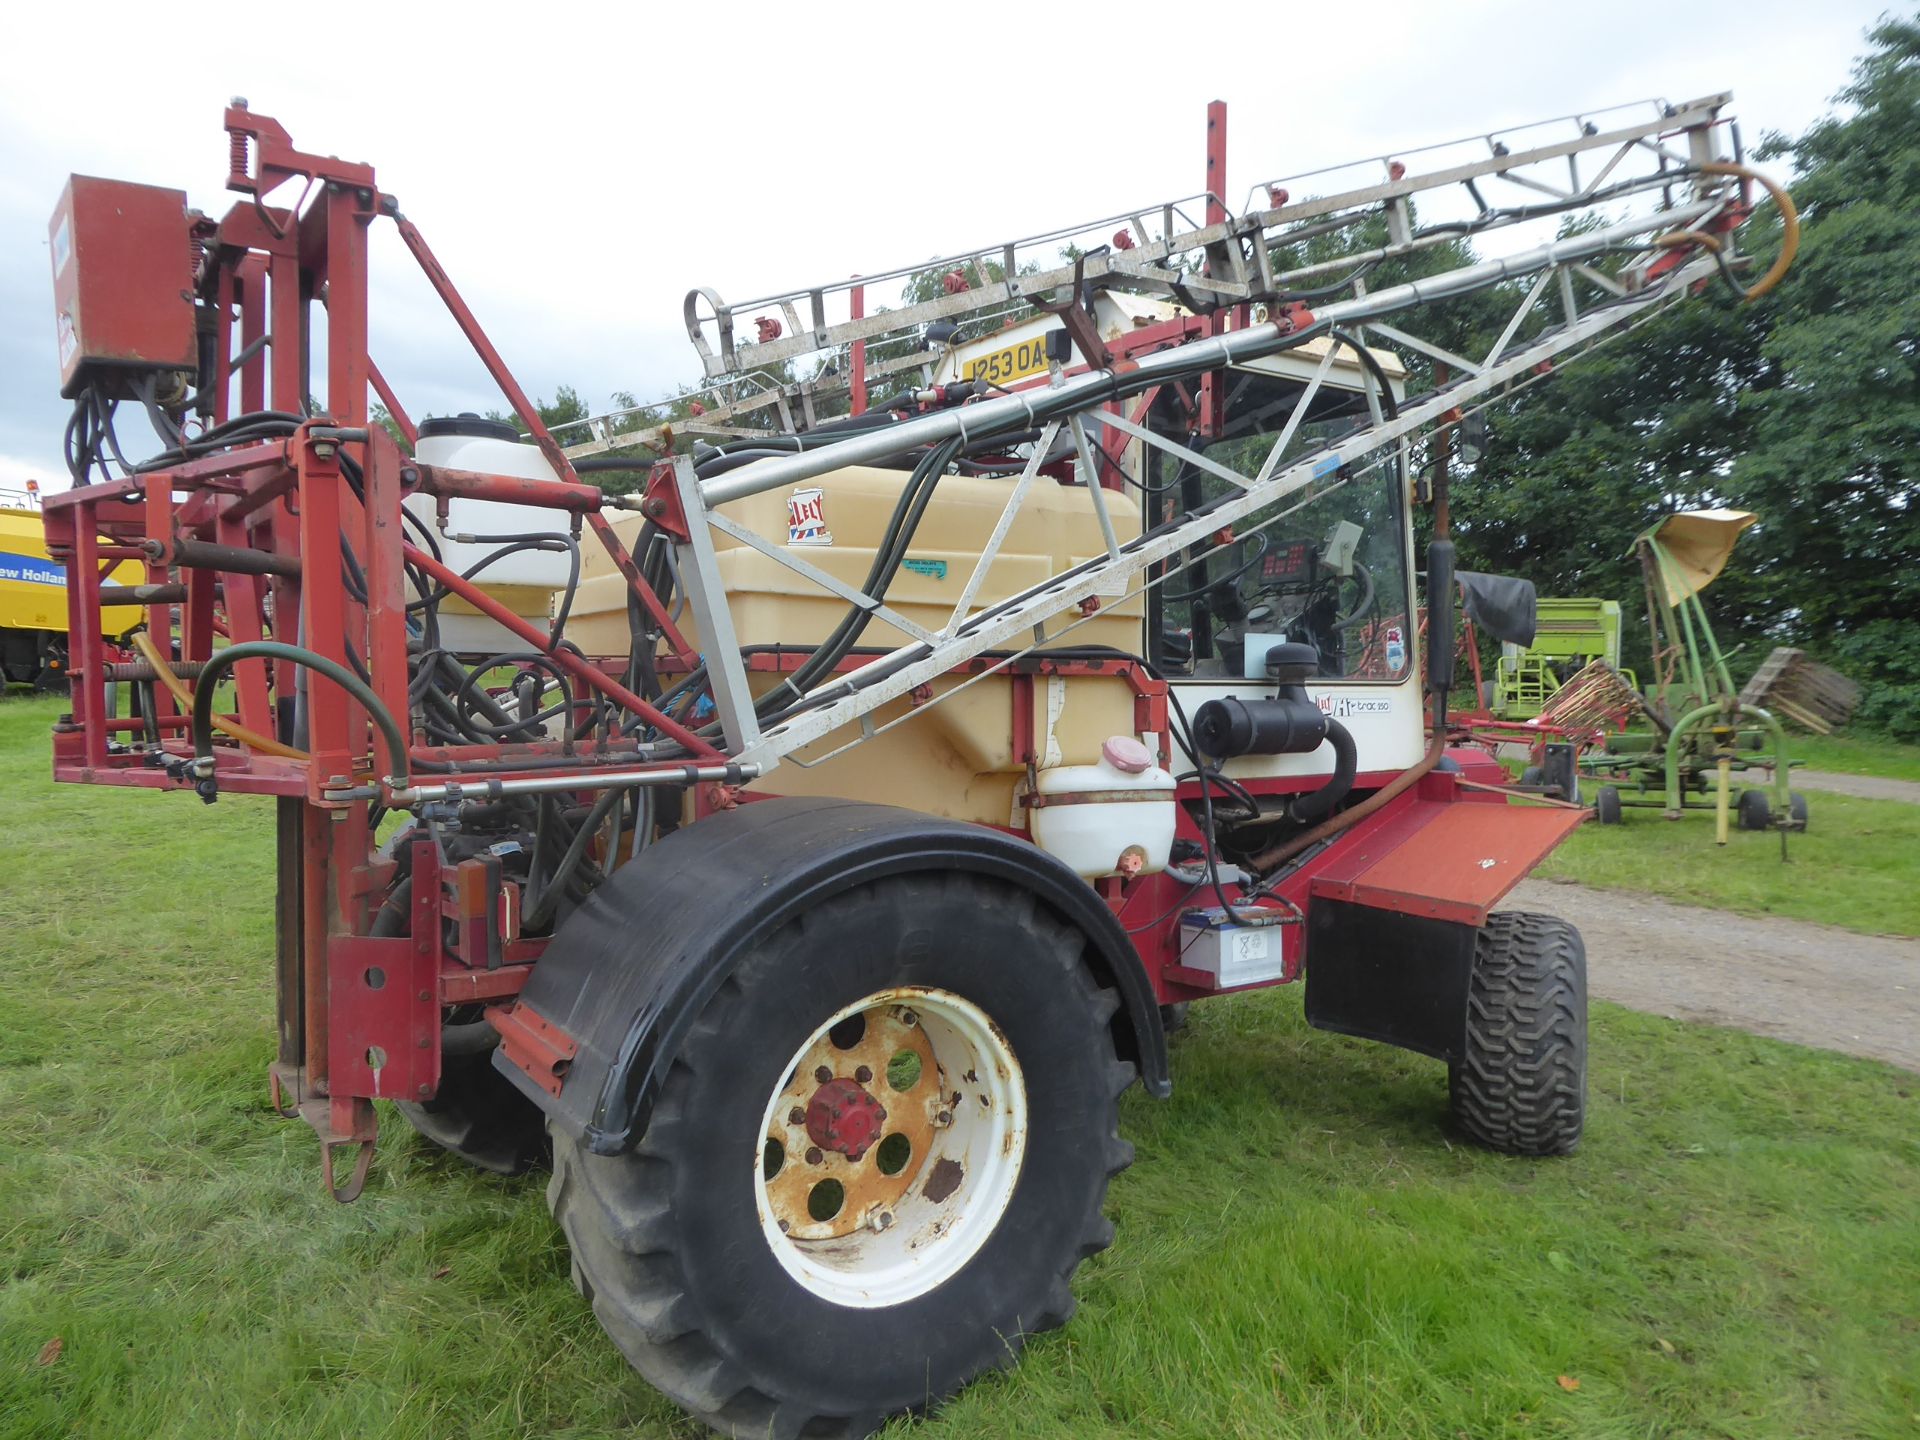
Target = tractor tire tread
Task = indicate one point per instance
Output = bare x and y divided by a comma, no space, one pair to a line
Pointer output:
481,1118
623,1232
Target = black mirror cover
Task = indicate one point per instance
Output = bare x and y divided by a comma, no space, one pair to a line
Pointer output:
1504,606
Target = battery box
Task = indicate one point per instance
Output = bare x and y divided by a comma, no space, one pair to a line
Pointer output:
122,284
1234,954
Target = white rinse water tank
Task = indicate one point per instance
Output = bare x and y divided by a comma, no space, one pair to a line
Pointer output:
526,581
1115,816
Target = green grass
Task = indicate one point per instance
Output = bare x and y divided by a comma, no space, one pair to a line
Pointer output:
1302,1250
1856,755
1854,865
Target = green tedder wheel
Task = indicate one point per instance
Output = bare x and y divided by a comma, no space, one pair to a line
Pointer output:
1606,805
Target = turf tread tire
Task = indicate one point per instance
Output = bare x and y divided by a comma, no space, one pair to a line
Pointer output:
1521,1085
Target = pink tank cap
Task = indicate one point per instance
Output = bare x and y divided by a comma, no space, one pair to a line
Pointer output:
1126,754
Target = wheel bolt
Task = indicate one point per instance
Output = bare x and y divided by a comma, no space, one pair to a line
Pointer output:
863,1074
814,1157
823,1074
903,1014
796,1116
943,1119
878,1220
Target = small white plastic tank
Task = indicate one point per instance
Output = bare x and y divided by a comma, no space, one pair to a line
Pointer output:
1120,815
526,581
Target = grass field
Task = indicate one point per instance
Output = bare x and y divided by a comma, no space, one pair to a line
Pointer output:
1302,1249
1856,755
1854,866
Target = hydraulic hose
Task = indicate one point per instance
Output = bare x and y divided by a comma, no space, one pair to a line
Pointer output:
1789,231
1789,223
540,902
225,724
224,660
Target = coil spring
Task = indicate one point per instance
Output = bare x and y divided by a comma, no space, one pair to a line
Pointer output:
236,152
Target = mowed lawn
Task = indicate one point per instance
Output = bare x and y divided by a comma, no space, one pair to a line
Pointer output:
1303,1249
1856,865
1857,755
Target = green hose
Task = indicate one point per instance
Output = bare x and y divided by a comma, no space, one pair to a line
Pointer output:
224,660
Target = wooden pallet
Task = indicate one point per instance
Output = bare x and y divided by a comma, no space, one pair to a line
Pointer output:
1799,688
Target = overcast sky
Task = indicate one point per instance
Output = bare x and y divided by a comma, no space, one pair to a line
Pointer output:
578,168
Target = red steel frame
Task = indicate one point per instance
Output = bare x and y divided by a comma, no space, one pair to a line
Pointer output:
346,1038
288,501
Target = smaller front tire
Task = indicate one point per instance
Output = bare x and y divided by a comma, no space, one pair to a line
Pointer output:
1521,1084
476,1113
1606,805
1756,811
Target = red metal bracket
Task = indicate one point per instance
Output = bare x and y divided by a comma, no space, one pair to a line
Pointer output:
383,1019
1444,859
535,1044
662,504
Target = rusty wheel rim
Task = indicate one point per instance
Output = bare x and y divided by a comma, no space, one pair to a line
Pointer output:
891,1147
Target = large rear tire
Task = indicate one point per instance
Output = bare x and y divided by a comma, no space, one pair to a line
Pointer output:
480,1117
1521,1086
476,1113
815,1234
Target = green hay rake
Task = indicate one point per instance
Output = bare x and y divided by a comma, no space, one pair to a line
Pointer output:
1700,732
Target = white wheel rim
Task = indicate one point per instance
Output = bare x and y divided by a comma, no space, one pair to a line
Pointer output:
896,1234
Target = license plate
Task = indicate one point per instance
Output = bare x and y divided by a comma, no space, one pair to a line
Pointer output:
1015,362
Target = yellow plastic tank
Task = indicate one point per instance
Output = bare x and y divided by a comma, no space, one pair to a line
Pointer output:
837,523
949,756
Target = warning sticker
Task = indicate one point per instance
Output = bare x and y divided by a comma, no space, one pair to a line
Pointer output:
807,518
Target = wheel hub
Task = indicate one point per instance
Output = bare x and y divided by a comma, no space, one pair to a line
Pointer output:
852,1128
892,1148
843,1117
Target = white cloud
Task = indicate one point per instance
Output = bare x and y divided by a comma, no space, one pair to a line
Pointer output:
16,471
579,167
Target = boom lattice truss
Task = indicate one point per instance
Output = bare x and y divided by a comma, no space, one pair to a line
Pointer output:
1655,189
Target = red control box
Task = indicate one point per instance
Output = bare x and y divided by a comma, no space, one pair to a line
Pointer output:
122,284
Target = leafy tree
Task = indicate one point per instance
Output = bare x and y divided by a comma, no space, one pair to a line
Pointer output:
1576,467
1834,464
1803,407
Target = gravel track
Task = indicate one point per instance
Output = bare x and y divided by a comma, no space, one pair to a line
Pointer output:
1789,979
1867,787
